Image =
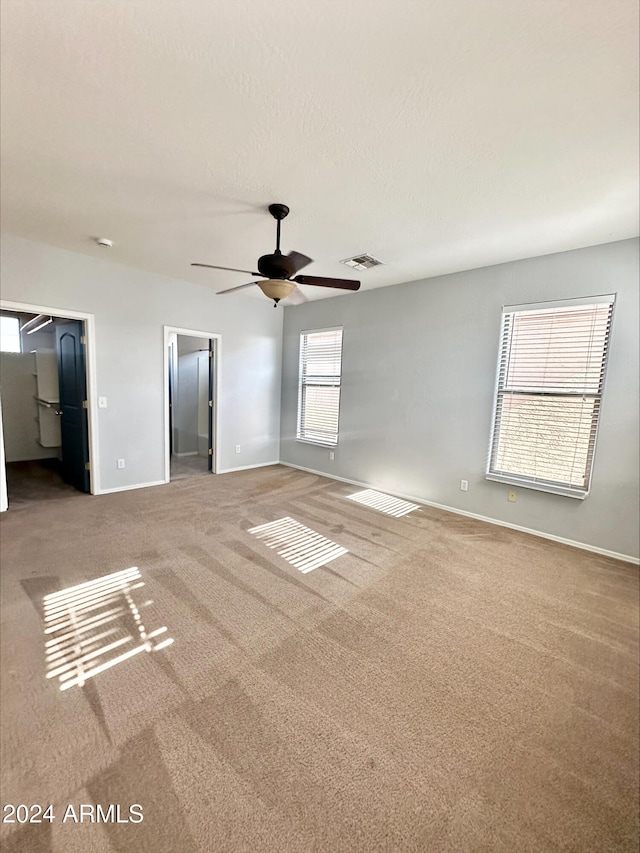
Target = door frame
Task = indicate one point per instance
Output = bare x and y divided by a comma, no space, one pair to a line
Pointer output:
215,414
90,370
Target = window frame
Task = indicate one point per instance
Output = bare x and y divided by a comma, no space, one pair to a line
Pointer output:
523,481
301,384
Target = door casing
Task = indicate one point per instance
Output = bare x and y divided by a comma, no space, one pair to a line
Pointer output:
90,367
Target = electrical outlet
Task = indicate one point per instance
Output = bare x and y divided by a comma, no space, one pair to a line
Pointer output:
512,496
120,463
332,456
237,448
464,485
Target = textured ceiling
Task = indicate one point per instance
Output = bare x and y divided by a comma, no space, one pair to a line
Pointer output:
438,135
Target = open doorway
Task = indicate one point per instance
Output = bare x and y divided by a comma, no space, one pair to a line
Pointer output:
43,387
191,368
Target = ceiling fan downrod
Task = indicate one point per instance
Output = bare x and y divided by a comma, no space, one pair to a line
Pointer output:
278,211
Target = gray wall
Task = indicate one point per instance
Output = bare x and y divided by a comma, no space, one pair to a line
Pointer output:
130,308
188,399
185,406
419,367
44,338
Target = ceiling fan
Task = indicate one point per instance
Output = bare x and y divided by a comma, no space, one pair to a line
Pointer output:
279,272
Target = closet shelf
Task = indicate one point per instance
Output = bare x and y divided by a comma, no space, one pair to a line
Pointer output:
50,404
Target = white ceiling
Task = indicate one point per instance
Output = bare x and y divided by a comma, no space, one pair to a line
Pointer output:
437,135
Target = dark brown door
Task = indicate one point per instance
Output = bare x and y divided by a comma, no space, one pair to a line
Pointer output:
73,394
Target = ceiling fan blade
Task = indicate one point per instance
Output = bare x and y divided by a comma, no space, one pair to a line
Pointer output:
296,297
298,261
239,287
228,269
343,283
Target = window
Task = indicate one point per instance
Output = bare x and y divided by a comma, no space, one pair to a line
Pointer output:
319,386
10,334
551,371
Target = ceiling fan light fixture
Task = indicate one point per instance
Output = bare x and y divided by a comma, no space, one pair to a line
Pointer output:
276,289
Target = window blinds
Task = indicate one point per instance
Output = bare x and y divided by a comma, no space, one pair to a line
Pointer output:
550,378
319,386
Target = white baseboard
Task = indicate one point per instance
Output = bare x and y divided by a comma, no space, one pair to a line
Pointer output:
584,547
164,482
130,488
247,467
189,453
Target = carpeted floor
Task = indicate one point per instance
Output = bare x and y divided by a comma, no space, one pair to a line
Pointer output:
187,466
444,686
36,481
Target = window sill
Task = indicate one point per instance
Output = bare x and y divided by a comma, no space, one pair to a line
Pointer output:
315,443
538,487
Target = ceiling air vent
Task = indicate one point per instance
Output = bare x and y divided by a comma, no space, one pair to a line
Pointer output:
362,262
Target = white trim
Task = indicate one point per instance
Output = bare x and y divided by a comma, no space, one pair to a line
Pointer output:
523,483
188,453
601,299
131,488
90,369
4,502
584,547
323,329
168,331
248,467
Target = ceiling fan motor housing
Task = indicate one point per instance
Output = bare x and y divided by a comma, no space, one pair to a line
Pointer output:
276,266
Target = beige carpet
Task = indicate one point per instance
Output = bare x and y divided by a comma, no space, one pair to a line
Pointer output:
446,685
187,466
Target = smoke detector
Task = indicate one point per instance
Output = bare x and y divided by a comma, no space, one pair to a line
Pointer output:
362,262
104,242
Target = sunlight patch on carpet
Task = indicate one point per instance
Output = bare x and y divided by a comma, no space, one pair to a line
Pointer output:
299,545
94,626
383,503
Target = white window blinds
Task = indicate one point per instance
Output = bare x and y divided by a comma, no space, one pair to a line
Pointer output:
551,371
319,386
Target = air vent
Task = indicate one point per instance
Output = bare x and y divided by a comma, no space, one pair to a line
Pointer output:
362,262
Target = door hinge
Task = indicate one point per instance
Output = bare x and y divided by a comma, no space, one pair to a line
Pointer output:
211,404
85,404
210,353
87,466
210,451
83,339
